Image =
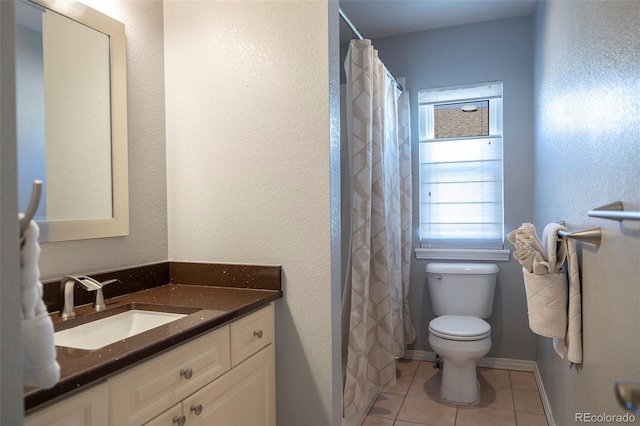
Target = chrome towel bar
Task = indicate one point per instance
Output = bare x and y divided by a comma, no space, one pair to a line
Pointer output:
614,211
592,236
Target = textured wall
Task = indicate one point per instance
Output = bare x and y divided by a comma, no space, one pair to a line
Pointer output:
495,50
147,239
247,100
587,150
11,401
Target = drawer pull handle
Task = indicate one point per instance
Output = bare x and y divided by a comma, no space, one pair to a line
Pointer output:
179,420
258,333
197,409
186,373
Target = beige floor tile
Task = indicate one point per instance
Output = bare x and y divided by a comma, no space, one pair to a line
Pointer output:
426,370
377,421
527,401
386,406
485,417
528,419
424,411
494,377
406,367
494,398
401,387
428,388
524,380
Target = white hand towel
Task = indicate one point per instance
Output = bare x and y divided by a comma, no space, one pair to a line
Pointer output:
39,353
573,339
555,246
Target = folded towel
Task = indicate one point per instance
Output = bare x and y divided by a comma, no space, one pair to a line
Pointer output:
555,246
546,303
39,353
554,304
572,342
530,251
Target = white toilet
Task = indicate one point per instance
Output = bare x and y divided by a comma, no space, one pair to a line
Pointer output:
461,295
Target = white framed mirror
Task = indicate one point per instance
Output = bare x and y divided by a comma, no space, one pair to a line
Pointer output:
72,119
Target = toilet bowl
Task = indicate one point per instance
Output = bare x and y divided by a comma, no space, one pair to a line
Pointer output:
460,341
461,296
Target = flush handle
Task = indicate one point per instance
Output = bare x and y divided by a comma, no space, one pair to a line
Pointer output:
436,276
180,421
186,373
258,334
197,409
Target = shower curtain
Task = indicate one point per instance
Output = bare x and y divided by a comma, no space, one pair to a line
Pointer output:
379,195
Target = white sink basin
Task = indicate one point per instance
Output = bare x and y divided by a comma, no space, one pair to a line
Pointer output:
103,332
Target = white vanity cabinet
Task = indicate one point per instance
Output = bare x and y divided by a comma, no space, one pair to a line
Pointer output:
214,379
140,393
243,396
87,408
225,377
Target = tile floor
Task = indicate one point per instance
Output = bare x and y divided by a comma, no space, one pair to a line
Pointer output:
509,398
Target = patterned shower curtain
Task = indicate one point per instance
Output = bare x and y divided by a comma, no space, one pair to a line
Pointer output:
378,279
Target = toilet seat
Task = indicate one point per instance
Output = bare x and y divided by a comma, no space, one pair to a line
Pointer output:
456,327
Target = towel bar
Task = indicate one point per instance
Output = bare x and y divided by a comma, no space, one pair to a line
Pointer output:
614,211
592,236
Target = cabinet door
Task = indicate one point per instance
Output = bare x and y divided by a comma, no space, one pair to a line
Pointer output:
86,408
243,396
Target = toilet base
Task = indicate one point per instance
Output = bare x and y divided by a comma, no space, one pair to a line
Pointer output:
460,384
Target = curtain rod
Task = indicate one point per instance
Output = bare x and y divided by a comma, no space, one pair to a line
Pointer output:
359,35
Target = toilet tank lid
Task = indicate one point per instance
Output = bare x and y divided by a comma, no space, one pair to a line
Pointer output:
462,268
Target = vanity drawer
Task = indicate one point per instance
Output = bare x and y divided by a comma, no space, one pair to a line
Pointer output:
143,392
251,333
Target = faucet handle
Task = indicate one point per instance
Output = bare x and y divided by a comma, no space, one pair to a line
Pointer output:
99,303
107,282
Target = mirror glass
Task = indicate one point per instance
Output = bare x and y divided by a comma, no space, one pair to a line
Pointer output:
70,97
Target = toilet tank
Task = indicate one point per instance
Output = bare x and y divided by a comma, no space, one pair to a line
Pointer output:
462,288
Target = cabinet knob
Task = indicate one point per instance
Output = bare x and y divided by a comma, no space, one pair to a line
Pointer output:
258,333
186,373
179,420
197,409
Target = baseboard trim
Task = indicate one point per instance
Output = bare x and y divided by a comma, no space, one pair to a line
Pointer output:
358,418
543,396
501,364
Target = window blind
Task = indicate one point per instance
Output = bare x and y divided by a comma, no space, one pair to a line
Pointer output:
461,187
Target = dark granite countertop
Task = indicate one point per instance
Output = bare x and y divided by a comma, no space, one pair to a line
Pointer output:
207,307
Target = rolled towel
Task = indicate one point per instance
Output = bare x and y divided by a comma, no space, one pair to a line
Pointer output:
39,352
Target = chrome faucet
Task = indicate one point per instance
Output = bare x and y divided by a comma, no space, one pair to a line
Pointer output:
67,285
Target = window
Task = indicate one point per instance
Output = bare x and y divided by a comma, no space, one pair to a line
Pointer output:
461,193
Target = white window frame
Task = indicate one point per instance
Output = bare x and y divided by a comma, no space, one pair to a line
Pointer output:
427,99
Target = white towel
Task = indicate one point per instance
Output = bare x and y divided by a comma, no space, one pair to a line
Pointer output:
39,353
572,342
546,303
555,246
529,249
